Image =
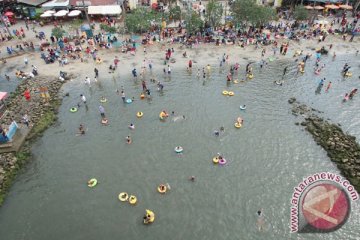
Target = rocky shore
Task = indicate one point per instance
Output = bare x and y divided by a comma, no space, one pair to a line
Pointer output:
341,148
41,112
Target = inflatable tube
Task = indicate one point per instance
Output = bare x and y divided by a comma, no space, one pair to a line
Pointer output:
123,197
150,217
162,191
142,96
178,149
302,71
278,82
92,182
104,121
348,74
128,100
139,114
103,100
163,115
231,93
216,160
222,161
242,107
132,200
250,76
225,93
73,109
236,81
238,125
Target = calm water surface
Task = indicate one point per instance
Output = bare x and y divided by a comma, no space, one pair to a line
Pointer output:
267,158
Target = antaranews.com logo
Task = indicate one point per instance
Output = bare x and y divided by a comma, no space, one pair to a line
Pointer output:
321,203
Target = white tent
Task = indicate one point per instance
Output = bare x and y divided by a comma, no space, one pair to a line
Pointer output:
74,13
61,13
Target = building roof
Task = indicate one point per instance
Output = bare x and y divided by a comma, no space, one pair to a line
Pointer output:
32,2
93,2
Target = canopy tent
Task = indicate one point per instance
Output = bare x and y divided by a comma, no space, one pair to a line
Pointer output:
331,6
326,1
74,13
346,7
104,10
308,7
61,13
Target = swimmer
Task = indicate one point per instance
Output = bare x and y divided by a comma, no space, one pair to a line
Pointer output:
216,133
81,129
222,129
172,113
128,139
104,121
132,126
192,178
260,221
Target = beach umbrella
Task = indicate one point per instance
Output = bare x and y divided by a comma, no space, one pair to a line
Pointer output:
61,13
50,12
74,13
346,7
9,14
45,15
318,7
331,6
308,7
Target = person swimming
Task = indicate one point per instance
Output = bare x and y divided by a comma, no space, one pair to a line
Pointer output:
128,139
192,178
216,133
81,129
132,126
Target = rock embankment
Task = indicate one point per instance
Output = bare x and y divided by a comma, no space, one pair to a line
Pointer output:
41,111
341,148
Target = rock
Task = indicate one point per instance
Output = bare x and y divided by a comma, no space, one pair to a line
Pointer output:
303,123
345,160
297,124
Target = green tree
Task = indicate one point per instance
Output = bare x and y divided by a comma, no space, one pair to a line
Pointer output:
142,19
213,13
75,25
175,13
248,12
193,22
57,32
300,13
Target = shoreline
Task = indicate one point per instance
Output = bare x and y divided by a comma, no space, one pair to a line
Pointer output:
42,117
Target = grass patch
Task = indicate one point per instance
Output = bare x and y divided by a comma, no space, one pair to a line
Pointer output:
44,122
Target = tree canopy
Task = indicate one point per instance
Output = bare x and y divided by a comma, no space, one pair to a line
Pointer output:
193,22
213,13
300,13
248,12
142,19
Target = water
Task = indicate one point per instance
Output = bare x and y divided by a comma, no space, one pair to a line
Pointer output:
266,159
